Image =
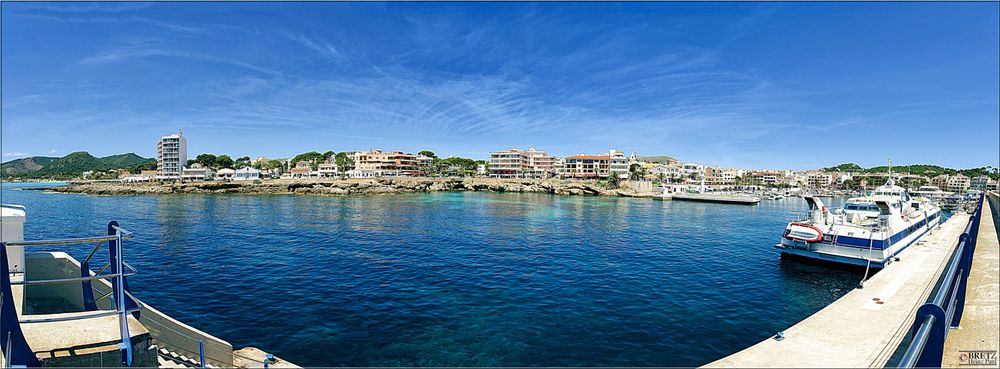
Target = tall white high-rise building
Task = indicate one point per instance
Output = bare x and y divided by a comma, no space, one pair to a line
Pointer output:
171,156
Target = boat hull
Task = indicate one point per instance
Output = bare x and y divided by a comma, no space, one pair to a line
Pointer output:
853,254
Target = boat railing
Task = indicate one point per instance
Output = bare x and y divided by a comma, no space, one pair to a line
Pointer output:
17,352
944,309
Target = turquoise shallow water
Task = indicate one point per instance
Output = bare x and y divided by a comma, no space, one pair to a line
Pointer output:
459,279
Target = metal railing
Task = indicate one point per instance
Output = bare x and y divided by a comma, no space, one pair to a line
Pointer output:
17,351
944,310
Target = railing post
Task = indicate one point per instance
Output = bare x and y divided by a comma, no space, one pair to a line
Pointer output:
89,303
965,263
11,338
201,350
934,349
118,287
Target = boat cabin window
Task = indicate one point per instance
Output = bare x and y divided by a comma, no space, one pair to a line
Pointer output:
861,207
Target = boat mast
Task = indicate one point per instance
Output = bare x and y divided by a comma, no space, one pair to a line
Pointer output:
889,181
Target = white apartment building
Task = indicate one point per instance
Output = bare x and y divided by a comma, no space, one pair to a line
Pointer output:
668,171
980,183
959,183
378,163
596,166
819,180
517,163
246,174
721,176
618,163
171,156
326,170
196,172
693,168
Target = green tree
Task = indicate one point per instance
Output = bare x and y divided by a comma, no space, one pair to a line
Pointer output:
344,162
141,167
328,155
242,162
224,161
273,164
613,181
427,153
208,160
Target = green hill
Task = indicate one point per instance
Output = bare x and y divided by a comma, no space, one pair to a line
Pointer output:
125,160
69,166
25,165
926,170
847,167
73,164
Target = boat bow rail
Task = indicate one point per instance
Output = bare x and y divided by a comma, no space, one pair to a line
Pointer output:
944,310
15,347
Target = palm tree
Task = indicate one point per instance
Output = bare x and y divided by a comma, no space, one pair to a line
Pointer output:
613,181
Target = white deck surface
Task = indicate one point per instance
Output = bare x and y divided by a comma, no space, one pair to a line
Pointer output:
863,328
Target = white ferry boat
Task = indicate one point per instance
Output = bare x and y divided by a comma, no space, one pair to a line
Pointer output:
867,231
931,192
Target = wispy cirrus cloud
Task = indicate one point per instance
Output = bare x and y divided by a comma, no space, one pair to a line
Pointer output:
654,78
321,47
132,20
148,48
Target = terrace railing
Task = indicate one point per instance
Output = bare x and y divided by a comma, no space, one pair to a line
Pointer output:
17,352
944,310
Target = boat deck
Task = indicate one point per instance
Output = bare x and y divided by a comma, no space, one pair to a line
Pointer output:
865,326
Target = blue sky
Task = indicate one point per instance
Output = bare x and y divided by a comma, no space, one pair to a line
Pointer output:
762,85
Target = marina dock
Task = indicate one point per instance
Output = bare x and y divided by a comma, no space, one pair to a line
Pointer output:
980,330
717,198
865,327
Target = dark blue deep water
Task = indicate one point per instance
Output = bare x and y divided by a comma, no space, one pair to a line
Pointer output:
458,279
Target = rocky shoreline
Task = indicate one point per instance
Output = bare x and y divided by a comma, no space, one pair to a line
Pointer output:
370,186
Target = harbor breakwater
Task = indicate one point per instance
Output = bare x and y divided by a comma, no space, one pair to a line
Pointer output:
369,186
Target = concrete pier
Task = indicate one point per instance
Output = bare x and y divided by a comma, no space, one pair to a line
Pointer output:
863,328
723,198
980,327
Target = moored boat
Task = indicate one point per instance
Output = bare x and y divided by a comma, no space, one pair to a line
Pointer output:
867,231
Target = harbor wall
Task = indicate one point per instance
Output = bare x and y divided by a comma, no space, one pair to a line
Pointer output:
369,186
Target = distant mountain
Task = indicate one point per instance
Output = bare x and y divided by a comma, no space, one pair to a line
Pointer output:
658,159
69,166
24,165
73,164
125,160
918,169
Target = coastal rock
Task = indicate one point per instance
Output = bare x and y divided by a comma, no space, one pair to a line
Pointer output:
329,186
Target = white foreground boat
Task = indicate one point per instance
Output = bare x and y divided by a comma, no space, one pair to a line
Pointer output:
57,311
867,231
